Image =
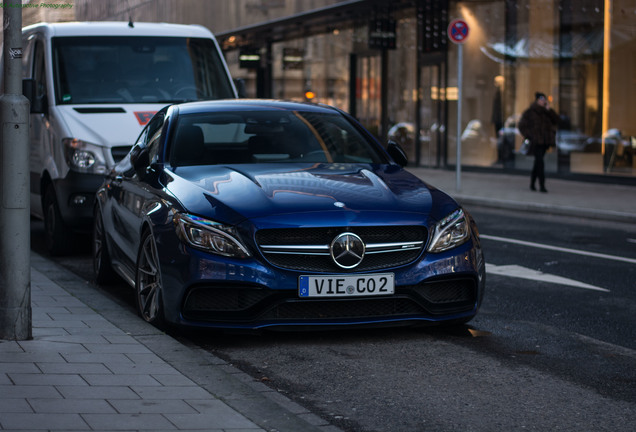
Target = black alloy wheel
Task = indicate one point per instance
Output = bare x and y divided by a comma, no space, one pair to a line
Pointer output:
148,282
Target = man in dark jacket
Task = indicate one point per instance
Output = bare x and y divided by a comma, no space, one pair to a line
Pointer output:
538,124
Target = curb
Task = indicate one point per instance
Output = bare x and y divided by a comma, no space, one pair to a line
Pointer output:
595,214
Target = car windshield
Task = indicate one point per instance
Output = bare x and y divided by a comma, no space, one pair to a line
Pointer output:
98,70
269,137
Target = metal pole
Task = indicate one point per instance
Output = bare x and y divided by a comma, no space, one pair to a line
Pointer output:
15,238
460,70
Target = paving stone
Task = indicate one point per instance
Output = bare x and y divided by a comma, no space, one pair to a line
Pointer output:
62,406
145,358
40,379
172,392
96,392
142,368
49,421
46,346
139,422
15,406
25,367
117,348
17,392
92,357
173,380
122,339
79,368
120,380
9,347
152,406
223,420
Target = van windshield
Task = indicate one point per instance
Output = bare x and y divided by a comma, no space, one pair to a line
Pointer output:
99,70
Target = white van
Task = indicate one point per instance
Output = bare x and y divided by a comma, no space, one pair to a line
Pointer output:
92,87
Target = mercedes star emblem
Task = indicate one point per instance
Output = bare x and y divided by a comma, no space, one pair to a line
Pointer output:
347,250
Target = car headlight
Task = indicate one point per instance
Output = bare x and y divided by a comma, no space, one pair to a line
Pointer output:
210,236
84,157
450,232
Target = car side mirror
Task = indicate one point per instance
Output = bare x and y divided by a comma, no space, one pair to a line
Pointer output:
140,159
397,153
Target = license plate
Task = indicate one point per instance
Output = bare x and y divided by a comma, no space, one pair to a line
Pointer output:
346,286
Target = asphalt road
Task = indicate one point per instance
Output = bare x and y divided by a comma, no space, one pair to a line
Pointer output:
553,348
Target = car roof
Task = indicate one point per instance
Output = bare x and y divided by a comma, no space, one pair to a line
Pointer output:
119,28
224,105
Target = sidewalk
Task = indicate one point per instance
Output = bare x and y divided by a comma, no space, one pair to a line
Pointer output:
609,202
95,366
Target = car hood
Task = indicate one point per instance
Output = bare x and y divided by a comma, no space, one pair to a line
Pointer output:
234,193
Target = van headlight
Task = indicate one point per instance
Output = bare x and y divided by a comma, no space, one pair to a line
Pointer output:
450,232
210,236
84,157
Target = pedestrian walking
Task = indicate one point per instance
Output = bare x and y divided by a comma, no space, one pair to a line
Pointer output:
538,124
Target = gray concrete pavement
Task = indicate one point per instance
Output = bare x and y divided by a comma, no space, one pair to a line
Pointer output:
95,366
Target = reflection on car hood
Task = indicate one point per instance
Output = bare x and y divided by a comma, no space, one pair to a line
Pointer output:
231,193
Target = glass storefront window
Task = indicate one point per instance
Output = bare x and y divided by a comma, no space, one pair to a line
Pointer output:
558,47
579,52
484,88
619,84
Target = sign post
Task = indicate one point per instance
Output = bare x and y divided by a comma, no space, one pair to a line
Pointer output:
458,33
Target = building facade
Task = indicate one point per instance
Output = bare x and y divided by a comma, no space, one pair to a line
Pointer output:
392,65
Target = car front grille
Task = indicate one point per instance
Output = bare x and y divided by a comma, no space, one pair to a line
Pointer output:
249,303
308,249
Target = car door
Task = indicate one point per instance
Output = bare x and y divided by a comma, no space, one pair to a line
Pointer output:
130,193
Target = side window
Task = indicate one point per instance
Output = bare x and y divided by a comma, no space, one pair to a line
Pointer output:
142,137
155,128
39,73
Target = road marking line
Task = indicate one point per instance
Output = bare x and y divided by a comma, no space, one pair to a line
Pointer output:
535,275
560,249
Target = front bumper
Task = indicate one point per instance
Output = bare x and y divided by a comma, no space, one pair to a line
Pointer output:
216,293
76,196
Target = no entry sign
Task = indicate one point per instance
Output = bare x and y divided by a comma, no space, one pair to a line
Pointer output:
458,31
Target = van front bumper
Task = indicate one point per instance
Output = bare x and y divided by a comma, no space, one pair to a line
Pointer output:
76,196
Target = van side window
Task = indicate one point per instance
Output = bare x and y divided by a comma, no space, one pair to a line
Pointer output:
39,73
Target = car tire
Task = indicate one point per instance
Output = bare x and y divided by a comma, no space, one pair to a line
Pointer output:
102,267
58,238
148,282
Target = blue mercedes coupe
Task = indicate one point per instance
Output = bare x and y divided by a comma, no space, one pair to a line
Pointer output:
253,214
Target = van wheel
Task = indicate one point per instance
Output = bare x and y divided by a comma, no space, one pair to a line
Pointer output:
102,267
58,238
148,282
